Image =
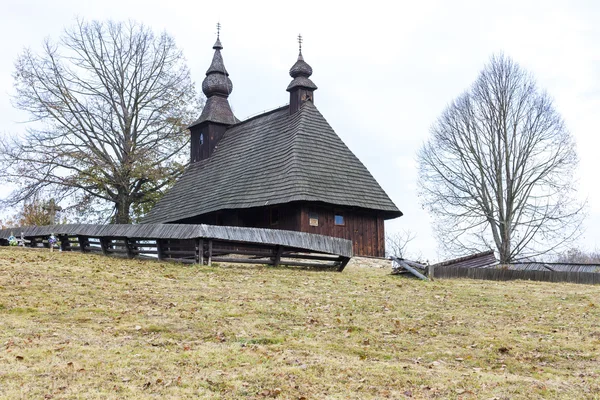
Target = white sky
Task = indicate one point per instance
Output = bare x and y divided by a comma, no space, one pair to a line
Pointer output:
385,69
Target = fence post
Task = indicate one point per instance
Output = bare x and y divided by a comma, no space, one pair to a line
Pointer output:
431,272
129,248
65,245
159,249
82,242
104,245
200,251
277,258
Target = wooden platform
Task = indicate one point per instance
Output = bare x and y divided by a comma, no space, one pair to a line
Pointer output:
194,243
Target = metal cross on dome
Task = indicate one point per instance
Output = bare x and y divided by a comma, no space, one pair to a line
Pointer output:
218,29
300,42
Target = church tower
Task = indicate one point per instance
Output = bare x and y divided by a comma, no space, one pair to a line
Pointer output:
216,116
301,88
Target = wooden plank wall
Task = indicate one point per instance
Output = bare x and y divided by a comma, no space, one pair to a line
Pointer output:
256,217
364,229
499,274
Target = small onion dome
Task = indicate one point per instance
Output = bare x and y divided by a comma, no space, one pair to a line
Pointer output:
217,84
217,87
301,68
300,71
217,80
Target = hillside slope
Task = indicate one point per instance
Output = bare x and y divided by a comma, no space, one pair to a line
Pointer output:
86,326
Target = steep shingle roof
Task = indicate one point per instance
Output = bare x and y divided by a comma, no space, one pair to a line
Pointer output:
274,158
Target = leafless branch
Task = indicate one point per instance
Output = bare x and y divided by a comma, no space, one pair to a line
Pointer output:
396,244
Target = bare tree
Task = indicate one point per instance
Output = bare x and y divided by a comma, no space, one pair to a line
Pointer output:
578,256
396,244
109,105
497,171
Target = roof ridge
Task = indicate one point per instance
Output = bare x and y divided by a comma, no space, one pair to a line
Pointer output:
260,114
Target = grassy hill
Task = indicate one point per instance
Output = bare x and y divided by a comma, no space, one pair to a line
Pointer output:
85,326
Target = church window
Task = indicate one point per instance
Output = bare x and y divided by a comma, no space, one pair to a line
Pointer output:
339,219
201,139
313,218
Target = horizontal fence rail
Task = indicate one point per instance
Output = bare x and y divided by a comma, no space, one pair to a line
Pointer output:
502,274
201,244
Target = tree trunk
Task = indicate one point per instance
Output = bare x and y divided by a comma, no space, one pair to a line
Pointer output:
122,206
505,251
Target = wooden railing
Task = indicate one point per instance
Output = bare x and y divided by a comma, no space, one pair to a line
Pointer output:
200,244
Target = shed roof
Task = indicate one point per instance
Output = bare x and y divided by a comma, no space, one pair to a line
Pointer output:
270,159
479,260
557,267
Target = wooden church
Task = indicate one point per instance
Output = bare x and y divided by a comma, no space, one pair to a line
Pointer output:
283,169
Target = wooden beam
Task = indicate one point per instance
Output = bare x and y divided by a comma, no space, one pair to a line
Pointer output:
65,245
138,251
431,272
191,253
129,248
93,248
277,257
342,263
160,249
210,244
242,260
104,245
200,251
308,264
312,257
82,242
410,269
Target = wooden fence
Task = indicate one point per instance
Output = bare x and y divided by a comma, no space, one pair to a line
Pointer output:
500,274
200,244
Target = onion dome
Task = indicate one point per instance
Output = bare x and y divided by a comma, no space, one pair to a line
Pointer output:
217,87
217,80
301,72
301,68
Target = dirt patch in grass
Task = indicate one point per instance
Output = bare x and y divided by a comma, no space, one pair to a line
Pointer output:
85,326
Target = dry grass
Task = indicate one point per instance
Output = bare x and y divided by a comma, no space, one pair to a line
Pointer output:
84,326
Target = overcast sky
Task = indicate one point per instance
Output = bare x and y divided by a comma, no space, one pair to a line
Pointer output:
385,69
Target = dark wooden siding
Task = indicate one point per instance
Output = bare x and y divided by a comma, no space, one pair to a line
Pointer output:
211,135
256,217
365,229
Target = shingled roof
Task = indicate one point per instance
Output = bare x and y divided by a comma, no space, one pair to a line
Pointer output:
270,159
